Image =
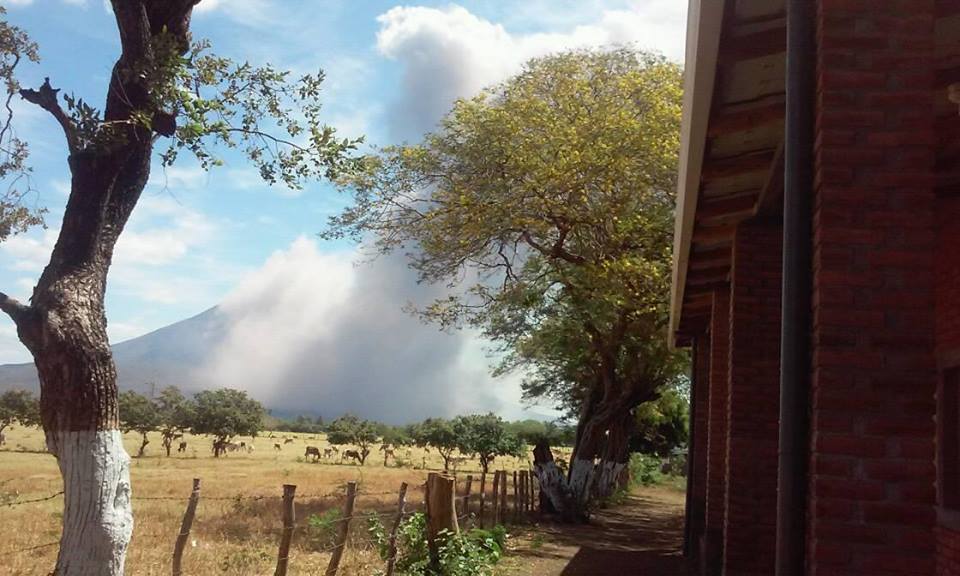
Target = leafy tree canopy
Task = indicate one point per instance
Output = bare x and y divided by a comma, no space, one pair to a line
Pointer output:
548,203
19,406
15,216
486,436
225,413
138,414
350,429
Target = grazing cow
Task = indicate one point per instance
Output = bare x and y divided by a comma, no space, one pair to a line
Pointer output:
312,451
276,447
327,453
288,440
231,447
182,447
351,454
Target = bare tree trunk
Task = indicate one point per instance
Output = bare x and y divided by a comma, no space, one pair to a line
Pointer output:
143,444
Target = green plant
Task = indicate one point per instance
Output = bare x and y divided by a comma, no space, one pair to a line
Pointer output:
321,531
470,553
645,470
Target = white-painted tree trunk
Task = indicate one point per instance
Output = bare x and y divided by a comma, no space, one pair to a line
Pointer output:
552,484
582,474
607,482
97,515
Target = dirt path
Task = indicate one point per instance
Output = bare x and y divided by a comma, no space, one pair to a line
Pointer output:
642,537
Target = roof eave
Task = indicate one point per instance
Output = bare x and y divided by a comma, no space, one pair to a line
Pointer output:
704,24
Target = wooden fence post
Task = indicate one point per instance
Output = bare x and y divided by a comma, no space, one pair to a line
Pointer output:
465,509
334,564
503,496
523,493
185,527
495,501
483,488
392,551
441,508
289,490
516,499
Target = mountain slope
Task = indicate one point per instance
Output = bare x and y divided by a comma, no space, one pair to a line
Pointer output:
166,356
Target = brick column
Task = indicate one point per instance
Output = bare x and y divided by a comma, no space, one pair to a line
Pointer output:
698,456
753,400
871,495
712,552
948,352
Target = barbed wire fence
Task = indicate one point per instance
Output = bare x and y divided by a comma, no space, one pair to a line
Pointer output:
457,506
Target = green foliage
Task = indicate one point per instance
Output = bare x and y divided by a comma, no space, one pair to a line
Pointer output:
664,424
238,105
322,529
557,188
531,432
349,429
225,413
645,469
471,553
15,216
395,436
485,436
19,406
138,414
436,433
175,412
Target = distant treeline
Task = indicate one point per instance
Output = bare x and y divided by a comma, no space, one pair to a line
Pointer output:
528,431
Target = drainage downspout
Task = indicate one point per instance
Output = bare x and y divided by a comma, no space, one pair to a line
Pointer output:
797,288
688,527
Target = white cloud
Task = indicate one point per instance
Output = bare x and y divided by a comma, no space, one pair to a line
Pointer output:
30,252
449,53
162,231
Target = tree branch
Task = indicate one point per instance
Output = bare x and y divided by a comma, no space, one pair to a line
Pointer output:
46,98
556,251
13,308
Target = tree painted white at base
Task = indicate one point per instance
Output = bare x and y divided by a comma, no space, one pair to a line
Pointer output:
97,515
609,476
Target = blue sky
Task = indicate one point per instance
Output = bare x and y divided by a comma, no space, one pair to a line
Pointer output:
201,239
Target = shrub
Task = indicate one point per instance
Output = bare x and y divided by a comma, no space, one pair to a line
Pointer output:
321,530
644,469
470,553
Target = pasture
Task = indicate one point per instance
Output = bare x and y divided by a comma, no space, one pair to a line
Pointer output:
238,520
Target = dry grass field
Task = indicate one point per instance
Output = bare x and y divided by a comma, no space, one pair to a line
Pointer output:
234,533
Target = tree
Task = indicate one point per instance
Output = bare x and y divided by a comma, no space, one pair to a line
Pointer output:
18,406
348,429
663,425
485,436
439,434
225,413
138,414
15,215
162,86
547,204
176,414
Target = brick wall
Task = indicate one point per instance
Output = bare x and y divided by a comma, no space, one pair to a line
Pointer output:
712,553
753,400
701,407
871,506
948,342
